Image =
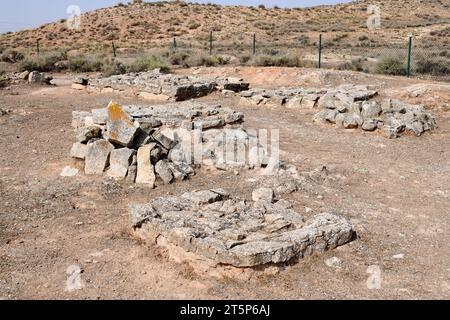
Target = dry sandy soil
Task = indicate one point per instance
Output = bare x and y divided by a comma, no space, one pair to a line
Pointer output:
396,193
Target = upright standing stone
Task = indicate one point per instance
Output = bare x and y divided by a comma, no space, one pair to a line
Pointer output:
120,127
145,169
120,162
97,156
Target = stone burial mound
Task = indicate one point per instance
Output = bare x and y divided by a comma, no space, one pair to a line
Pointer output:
228,231
350,107
289,98
143,143
160,86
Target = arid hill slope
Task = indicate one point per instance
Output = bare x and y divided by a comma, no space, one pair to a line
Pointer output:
137,25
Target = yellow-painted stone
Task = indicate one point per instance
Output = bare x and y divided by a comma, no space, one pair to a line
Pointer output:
120,127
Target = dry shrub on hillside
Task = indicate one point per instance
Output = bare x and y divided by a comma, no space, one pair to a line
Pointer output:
45,62
279,61
391,65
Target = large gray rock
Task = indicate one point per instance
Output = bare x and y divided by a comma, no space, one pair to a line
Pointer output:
163,140
164,172
79,150
120,161
97,156
86,134
192,91
371,109
263,195
369,125
205,196
351,121
36,77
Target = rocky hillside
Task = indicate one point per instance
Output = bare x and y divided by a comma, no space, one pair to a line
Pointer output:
143,24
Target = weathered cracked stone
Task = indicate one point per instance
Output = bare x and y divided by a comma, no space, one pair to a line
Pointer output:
86,134
79,150
163,140
120,127
97,156
132,173
351,121
232,232
145,169
164,172
36,77
369,125
263,195
120,161
371,109
132,170
205,196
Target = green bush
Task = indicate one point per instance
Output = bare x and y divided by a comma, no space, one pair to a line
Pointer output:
44,62
85,63
391,66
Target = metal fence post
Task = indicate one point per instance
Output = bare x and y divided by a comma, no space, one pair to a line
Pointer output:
114,49
320,51
408,68
254,44
210,43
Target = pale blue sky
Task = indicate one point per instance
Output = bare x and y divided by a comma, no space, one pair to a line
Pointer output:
23,14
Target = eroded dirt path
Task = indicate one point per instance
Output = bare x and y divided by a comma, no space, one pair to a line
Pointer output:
396,192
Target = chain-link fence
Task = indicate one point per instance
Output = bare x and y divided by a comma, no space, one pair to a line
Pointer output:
403,58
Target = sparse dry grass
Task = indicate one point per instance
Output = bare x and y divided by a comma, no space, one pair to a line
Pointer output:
144,32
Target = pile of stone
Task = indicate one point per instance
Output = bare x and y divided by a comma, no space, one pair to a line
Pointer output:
143,143
290,98
236,232
349,106
36,77
350,109
160,86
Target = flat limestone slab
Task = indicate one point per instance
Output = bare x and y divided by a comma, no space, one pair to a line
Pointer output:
235,232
